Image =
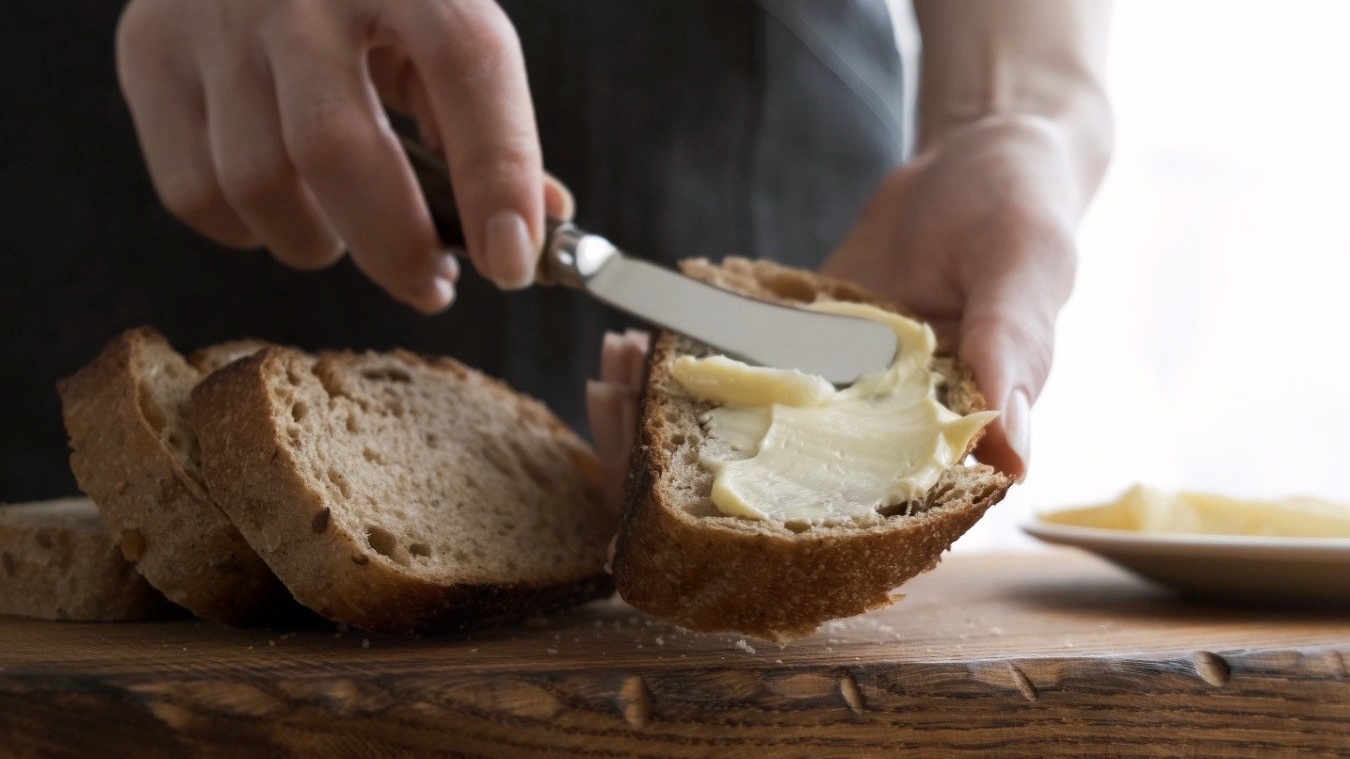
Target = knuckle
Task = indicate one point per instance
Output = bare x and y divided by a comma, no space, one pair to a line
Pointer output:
325,133
505,166
189,197
309,255
136,27
139,40
474,46
253,181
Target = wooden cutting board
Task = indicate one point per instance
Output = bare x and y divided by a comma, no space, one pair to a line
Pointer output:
1052,654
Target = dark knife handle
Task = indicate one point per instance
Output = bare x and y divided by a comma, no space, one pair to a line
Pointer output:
434,178
570,254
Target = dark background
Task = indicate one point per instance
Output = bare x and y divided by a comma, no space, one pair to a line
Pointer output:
689,128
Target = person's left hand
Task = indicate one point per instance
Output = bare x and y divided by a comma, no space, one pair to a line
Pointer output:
976,236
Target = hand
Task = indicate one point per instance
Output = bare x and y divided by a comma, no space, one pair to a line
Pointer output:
976,236
262,123
612,405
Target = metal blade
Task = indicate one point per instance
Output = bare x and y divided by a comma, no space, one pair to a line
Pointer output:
838,348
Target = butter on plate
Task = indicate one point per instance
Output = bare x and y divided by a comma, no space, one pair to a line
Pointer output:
1151,511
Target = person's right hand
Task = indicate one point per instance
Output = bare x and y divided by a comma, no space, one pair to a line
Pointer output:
261,124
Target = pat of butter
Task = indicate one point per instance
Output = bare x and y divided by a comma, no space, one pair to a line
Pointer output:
723,380
789,447
1149,510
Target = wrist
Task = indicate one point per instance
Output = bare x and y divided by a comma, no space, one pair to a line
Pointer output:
1070,149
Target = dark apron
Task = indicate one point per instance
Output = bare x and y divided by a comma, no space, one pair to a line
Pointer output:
683,128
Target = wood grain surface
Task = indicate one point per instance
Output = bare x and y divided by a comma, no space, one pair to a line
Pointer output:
1052,654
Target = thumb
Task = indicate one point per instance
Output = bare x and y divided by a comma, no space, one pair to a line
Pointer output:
1007,337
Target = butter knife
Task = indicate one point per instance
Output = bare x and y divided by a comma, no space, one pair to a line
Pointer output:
838,348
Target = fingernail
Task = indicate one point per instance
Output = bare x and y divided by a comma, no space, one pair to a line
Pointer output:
433,297
447,267
1017,428
445,290
509,251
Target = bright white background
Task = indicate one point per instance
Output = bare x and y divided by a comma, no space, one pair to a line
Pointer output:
1207,344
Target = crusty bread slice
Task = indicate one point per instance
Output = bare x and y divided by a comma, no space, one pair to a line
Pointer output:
134,454
58,561
397,493
680,559
213,357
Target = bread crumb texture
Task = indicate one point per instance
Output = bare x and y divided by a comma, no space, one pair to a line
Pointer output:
397,493
59,561
680,559
134,454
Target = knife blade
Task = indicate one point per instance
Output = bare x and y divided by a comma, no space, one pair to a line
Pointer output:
838,348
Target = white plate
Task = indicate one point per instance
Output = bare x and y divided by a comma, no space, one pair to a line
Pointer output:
1229,567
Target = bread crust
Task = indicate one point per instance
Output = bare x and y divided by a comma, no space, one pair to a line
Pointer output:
58,561
252,471
720,573
159,513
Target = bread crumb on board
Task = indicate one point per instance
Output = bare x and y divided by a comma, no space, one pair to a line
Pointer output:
746,647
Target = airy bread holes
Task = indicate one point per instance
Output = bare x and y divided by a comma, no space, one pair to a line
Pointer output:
353,425
339,481
320,521
373,456
386,374
420,550
299,410
384,543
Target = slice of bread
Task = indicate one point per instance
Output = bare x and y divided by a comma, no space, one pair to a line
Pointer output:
213,357
397,493
134,454
680,559
58,561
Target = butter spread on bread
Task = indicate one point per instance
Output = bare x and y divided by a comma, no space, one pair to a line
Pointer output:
789,447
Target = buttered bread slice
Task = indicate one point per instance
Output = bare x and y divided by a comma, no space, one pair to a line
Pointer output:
767,505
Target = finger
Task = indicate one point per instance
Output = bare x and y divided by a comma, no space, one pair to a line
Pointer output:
169,112
401,90
609,408
255,173
558,201
338,138
469,58
1008,336
613,359
623,359
604,406
637,345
